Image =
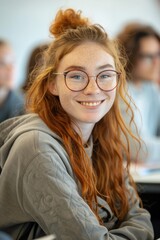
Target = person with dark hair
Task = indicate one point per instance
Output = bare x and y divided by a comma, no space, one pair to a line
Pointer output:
141,46
11,101
63,168
35,60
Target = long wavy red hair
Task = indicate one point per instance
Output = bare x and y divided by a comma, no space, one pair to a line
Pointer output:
105,176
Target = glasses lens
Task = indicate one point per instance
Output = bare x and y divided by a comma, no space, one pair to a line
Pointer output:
107,80
76,80
148,58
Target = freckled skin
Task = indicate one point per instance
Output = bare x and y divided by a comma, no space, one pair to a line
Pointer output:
91,57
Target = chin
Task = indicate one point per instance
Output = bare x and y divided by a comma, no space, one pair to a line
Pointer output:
91,120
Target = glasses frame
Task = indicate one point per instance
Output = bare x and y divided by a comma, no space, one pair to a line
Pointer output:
111,70
149,56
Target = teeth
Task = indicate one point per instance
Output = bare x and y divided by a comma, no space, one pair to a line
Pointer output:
91,103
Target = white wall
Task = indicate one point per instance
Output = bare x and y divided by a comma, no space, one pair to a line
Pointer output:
25,23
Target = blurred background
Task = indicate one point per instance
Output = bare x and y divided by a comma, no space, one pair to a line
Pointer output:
25,24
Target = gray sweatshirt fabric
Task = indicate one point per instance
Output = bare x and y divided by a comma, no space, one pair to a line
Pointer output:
39,194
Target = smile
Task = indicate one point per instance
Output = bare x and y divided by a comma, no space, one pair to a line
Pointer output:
91,104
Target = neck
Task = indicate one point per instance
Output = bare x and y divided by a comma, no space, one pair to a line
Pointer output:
85,131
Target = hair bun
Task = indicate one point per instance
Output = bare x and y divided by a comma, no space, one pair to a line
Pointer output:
67,19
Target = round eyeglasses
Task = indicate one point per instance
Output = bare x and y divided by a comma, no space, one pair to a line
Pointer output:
149,58
77,80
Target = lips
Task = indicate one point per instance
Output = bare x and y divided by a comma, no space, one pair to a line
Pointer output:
91,104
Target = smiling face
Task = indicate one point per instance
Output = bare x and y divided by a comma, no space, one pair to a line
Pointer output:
89,105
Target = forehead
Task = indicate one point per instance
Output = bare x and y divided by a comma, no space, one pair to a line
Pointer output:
87,54
6,49
149,44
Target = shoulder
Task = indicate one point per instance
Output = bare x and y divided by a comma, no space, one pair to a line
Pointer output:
30,141
16,96
15,104
42,139
37,141
40,146
153,93
151,88
43,155
147,90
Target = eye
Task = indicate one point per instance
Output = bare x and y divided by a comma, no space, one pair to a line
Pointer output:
106,75
103,76
76,75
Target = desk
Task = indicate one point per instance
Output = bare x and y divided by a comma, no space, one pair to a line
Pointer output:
149,179
148,185
145,173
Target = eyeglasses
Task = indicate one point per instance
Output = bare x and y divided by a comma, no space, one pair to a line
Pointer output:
7,60
148,58
77,80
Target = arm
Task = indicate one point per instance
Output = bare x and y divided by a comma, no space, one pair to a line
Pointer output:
50,195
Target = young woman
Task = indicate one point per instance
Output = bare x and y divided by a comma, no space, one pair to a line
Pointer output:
63,163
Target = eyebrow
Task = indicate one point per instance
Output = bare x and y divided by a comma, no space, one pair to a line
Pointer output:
83,68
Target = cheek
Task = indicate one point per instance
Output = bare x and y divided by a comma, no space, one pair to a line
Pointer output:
112,95
65,98
3,73
110,100
143,66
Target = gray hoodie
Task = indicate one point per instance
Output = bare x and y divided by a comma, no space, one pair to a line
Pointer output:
39,194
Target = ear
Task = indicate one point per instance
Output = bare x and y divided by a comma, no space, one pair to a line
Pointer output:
53,88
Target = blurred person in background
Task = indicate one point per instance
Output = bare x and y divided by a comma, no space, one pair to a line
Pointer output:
141,46
35,60
11,101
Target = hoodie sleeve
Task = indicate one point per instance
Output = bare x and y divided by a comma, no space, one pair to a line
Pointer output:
51,197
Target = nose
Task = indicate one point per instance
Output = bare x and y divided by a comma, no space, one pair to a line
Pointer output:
92,87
